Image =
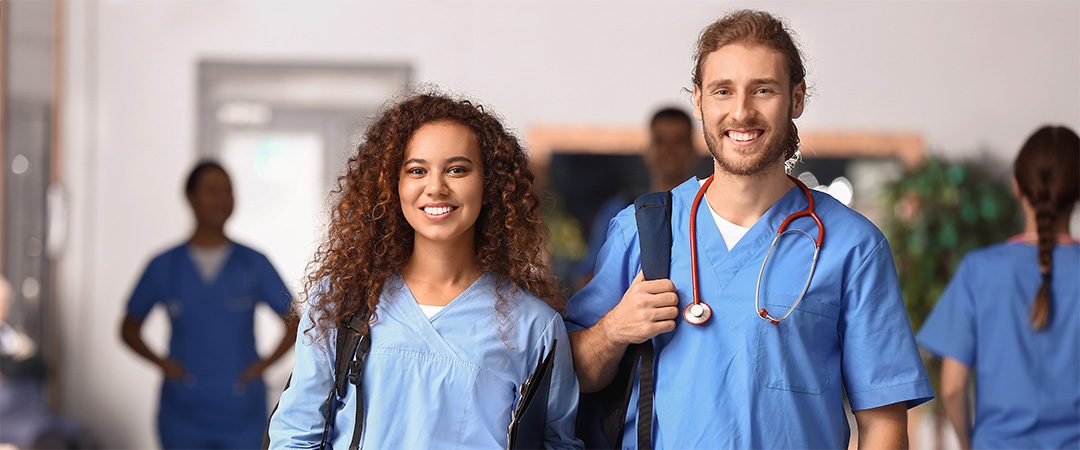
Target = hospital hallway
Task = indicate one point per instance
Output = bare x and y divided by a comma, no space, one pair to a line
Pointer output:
915,113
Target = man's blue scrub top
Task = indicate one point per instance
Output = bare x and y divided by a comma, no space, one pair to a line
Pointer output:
1027,383
741,382
213,335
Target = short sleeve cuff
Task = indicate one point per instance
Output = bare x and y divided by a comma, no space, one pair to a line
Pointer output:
137,313
282,306
572,327
913,394
940,349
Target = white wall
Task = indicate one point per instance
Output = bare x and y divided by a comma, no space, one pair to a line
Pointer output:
970,76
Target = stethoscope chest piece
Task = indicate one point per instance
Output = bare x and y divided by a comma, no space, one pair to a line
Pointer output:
697,313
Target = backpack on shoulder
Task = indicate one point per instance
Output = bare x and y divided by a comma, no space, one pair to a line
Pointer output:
350,349
601,417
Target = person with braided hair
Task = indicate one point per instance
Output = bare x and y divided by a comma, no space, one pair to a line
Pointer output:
1012,313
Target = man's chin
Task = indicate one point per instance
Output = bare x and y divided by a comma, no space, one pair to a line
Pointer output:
753,165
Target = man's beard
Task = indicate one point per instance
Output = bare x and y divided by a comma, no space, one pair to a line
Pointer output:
779,143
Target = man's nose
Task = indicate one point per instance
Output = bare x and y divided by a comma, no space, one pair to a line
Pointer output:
742,108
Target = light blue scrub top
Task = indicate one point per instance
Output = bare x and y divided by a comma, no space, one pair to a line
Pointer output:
1027,383
213,337
444,382
738,381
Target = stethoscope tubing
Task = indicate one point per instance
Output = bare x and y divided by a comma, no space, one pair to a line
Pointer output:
693,238
760,312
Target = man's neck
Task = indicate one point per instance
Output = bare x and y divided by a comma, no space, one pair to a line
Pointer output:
659,184
742,199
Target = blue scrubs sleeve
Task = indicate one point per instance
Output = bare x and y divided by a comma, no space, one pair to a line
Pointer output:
152,288
271,288
300,417
598,235
949,330
880,362
563,395
616,266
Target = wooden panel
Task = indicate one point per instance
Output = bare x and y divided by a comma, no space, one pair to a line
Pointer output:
545,140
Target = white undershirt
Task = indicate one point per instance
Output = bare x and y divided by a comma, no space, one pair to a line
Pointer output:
729,231
209,260
430,310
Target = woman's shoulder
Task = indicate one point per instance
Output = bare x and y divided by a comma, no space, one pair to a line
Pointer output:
524,305
1003,253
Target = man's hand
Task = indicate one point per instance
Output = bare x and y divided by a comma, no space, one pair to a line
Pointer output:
647,309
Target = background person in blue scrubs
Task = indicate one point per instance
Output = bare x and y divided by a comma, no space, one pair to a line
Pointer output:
738,381
436,229
213,395
670,158
1012,313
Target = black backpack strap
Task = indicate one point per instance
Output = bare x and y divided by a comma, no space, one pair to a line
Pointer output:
355,376
602,415
345,347
653,214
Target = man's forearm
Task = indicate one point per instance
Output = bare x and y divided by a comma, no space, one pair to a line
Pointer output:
596,357
883,427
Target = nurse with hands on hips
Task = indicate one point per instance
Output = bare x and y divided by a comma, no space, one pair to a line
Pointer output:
213,395
1011,314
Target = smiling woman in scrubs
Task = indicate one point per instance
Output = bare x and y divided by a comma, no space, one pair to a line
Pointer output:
437,230
1012,313
213,395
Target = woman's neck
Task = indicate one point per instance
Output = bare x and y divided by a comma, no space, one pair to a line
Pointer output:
437,273
209,237
1031,225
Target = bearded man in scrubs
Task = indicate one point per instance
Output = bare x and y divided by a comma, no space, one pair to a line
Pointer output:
739,380
213,395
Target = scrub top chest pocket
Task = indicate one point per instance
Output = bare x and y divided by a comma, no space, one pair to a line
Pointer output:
243,296
795,355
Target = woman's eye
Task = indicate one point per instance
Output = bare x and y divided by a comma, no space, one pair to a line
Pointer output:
415,171
457,170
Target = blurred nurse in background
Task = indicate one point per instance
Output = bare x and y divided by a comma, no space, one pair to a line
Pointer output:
1012,313
213,395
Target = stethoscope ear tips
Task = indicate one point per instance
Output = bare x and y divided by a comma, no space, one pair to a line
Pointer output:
697,313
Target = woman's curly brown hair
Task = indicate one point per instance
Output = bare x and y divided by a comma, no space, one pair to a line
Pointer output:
369,239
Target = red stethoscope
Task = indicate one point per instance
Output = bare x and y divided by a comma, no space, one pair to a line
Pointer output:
699,312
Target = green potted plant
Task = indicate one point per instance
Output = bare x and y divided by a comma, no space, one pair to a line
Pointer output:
941,211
